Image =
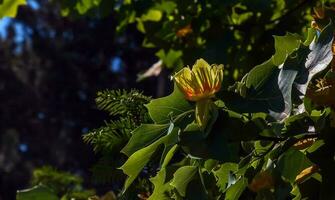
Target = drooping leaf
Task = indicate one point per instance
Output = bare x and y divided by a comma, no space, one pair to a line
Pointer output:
182,177
39,192
234,191
135,163
169,155
143,136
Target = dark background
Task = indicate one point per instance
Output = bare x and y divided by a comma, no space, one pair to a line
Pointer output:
50,70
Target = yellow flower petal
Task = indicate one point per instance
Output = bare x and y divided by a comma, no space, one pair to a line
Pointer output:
202,82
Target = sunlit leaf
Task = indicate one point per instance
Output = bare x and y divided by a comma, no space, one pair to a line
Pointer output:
143,136
152,15
137,161
234,191
162,110
284,46
182,177
9,7
161,186
223,173
38,192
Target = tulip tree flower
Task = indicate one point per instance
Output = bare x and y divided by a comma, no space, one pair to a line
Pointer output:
199,85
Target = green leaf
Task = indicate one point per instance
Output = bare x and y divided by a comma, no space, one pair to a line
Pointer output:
285,46
83,6
169,155
161,186
152,15
223,174
9,7
171,58
277,88
210,164
166,6
143,136
135,163
311,33
140,25
260,74
296,193
39,192
214,143
291,163
234,192
182,177
162,110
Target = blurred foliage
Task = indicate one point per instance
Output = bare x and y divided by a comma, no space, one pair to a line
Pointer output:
8,8
53,184
235,33
51,68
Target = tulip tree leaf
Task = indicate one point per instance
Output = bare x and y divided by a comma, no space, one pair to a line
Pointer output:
291,163
260,74
39,192
143,136
137,161
161,186
285,46
278,88
223,173
218,143
9,8
161,110
235,190
169,155
182,177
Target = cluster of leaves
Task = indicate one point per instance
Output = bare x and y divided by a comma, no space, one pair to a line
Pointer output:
221,32
268,140
52,184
